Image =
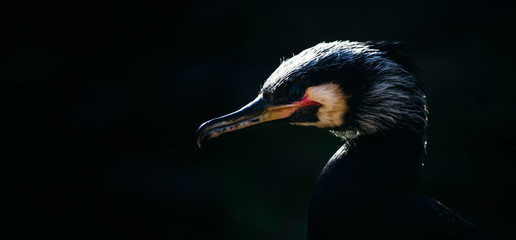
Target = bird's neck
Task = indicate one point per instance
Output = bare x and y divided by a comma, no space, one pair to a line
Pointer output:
384,163
365,181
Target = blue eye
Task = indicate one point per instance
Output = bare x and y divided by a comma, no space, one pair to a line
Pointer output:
296,92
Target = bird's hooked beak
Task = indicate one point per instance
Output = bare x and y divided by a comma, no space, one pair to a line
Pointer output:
257,111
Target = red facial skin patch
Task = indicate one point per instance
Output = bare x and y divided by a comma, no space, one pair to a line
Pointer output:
305,102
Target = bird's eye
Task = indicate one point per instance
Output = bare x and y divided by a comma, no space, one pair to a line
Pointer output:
295,92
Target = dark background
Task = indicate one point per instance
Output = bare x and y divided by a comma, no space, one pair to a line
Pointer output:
101,102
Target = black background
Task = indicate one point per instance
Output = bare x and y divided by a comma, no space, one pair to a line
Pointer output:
101,102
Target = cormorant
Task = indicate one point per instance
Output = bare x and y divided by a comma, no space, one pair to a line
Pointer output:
368,95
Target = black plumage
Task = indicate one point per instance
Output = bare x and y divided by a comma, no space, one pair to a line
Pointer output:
367,192
367,94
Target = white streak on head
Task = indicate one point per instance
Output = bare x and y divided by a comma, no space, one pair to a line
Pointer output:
393,99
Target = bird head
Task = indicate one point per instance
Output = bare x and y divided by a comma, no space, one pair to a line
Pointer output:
349,88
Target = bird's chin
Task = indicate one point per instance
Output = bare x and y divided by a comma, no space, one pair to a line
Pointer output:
305,123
